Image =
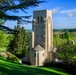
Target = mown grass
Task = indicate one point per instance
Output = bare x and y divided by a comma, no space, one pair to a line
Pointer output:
8,68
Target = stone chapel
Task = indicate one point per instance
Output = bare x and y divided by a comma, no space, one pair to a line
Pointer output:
41,42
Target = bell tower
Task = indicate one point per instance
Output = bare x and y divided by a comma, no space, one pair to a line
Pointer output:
42,32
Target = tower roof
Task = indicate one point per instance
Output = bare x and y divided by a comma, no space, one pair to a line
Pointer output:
38,48
43,10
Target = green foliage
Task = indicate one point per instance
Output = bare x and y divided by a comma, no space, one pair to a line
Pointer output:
58,39
15,6
2,22
2,39
67,36
13,58
66,52
20,43
3,49
8,38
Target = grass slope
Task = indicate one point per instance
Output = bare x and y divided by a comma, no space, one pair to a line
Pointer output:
8,68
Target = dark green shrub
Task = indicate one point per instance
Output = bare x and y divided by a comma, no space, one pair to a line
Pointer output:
71,68
13,58
55,64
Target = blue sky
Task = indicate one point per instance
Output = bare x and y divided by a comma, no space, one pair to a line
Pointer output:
64,14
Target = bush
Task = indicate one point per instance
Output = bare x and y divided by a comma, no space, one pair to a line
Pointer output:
3,54
55,64
71,68
26,62
13,58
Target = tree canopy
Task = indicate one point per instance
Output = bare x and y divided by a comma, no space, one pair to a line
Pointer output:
15,6
66,52
20,43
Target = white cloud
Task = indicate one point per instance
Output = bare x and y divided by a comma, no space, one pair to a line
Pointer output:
70,15
55,10
68,11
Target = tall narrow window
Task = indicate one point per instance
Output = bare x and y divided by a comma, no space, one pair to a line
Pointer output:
38,19
34,54
37,36
41,19
41,36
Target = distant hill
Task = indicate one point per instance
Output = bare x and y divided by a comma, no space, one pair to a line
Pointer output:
60,30
54,30
63,30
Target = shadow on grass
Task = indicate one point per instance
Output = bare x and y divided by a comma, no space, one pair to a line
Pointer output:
7,68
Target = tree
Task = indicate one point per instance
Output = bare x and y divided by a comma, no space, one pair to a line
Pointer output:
4,28
66,52
15,6
8,6
2,39
2,22
26,41
19,45
67,36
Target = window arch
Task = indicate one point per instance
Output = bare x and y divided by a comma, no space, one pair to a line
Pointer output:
39,19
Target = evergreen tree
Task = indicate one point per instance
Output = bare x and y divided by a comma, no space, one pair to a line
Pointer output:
15,6
26,42
19,45
2,22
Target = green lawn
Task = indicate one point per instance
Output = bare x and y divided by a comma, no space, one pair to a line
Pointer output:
8,68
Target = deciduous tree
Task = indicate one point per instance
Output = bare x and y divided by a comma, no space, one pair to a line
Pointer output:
66,52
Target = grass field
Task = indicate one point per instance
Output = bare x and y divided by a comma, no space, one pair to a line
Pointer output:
8,68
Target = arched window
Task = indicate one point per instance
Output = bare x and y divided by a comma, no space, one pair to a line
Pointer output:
37,19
